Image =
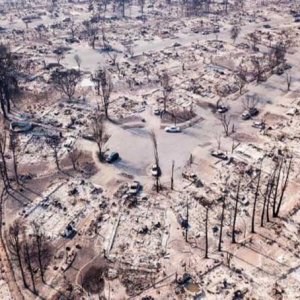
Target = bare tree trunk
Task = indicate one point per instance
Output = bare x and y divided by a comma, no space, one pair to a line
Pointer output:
187,221
19,258
3,166
172,175
3,176
206,233
123,8
254,203
74,156
221,226
288,81
14,247
225,121
2,154
99,134
28,262
14,145
55,154
270,195
276,189
3,108
264,204
235,212
156,158
106,105
39,240
284,187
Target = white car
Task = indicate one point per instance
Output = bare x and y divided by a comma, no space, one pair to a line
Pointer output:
155,171
222,109
292,112
259,125
134,188
219,154
173,129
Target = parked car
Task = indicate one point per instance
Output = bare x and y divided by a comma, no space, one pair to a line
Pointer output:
155,171
173,129
222,109
69,232
293,111
112,157
279,71
189,176
246,115
287,66
176,44
134,188
250,113
219,154
253,111
259,125
156,112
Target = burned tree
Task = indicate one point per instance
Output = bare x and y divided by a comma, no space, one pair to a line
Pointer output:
234,32
99,134
66,81
221,225
54,144
8,79
186,221
235,211
41,248
128,48
14,148
225,121
277,182
271,189
172,175
284,187
91,32
241,78
266,195
166,86
156,159
142,5
113,58
74,155
255,202
287,40
73,30
121,6
3,164
78,61
288,79
104,87
276,56
253,40
206,231
250,102
258,68
27,250
15,248
59,57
